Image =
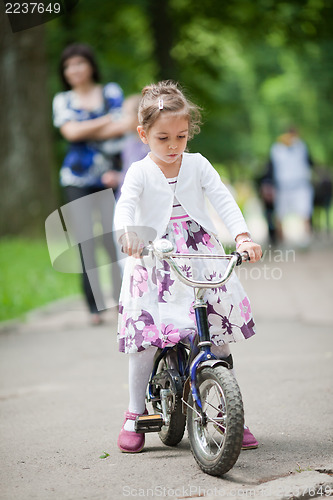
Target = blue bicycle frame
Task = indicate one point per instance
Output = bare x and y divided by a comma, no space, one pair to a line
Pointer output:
164,250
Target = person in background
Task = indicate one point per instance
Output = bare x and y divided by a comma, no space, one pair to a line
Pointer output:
133,148
289,169
266,192
88,115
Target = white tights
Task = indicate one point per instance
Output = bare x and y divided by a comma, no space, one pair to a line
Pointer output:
140,367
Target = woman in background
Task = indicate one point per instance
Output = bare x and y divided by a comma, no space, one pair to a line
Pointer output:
88,116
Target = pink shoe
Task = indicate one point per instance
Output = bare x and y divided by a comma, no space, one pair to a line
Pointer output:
249,441
130,441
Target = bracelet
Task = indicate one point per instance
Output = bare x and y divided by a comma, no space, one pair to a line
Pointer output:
245,240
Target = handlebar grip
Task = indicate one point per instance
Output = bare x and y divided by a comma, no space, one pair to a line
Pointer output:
247,256
240,258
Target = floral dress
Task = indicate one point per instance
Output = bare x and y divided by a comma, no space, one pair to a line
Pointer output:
156,308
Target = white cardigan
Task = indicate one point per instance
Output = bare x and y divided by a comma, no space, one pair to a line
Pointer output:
146,198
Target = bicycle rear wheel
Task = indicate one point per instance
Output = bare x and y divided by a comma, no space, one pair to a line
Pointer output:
171,433
216,443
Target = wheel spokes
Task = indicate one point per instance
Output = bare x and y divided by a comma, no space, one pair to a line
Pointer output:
212,434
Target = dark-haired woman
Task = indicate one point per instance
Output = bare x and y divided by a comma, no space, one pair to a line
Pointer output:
88,117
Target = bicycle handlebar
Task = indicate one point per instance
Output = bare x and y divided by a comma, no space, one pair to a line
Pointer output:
164,250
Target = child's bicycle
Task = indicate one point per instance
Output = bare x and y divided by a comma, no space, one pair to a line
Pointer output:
189,383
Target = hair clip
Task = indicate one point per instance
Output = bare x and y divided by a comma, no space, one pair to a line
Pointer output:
160,104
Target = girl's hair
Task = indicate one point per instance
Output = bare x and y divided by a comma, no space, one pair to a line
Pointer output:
166,96
78,49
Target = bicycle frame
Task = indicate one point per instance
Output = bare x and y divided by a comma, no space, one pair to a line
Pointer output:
163,249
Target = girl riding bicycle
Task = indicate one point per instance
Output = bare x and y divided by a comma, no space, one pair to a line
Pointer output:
166,192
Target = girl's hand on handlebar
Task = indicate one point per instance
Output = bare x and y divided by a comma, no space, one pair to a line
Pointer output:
253,249
131,244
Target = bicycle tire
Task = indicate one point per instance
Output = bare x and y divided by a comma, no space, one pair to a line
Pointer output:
173,433
216,447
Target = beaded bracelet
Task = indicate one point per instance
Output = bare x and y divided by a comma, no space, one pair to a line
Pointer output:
245,240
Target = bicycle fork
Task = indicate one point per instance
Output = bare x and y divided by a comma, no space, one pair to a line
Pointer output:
205,356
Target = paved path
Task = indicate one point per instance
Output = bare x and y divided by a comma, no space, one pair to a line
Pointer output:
64,390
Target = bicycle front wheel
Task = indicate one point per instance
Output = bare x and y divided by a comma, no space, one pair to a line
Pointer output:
216,442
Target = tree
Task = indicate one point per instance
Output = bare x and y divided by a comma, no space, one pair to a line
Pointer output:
26,150
162,27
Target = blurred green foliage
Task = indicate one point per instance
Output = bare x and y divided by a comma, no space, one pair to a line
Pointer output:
254,67
27,279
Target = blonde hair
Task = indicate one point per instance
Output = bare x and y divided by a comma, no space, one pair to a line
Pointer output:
166,96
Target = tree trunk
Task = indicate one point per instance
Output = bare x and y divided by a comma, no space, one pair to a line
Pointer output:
163,31
26,193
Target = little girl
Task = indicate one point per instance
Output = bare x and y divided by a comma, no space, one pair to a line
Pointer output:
166,192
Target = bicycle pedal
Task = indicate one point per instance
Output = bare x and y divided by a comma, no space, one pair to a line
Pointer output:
148,423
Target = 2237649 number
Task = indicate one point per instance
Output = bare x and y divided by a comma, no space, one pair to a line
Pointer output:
32,8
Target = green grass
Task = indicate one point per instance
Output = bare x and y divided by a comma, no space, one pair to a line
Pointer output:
27,279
